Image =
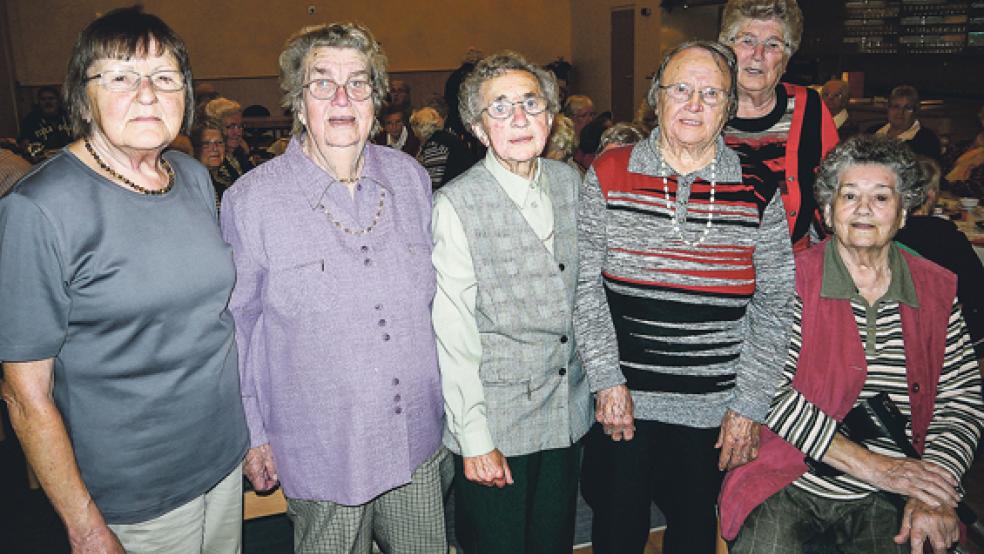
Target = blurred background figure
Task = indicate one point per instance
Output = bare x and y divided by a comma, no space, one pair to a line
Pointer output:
645,117
209,148
580,109
562,142
46,128
589,139
903,123
443,155
620,134
13,166
837,95
399,96
227,115
965,164
395,132
938,239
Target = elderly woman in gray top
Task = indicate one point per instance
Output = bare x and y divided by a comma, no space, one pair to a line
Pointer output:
505,251
119,364
686,274
331,242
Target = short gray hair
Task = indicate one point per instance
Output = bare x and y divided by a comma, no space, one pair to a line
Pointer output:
218,108
723,56
908,92
877,150
293,62
621,134
786,12
470,98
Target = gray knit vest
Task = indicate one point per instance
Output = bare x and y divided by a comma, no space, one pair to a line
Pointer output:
535,389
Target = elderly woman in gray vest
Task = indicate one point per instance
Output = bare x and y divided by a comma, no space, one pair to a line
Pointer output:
505,251
340,382
683,302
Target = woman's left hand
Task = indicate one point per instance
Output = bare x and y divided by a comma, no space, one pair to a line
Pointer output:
738,440
921,523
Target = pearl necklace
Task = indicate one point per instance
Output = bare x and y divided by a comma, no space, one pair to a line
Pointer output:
149,192
672,206
364,230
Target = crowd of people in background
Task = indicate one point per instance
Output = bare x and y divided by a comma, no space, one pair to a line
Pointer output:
499,292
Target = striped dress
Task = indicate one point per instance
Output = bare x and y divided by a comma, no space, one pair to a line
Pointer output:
692,330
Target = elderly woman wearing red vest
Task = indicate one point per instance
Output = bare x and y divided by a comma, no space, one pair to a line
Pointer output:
869,318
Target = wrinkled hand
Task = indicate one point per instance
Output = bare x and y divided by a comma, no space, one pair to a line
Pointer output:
917,479
260,468
615,411
738,440
99,540
921,522
490,469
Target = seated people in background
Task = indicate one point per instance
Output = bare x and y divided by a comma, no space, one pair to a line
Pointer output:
13,165
46,128
580,110
836,95
228,115
505,251
903,124
395,132
204,93
964,164
209,148
938,239
443,155
869,318
590,138
620,134
645,118
562,142
399,96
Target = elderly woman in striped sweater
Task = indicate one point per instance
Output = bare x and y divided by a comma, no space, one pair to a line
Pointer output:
683,303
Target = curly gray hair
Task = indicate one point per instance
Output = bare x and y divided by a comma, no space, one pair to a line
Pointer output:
723,56
470,98
872,149
786,12
294,58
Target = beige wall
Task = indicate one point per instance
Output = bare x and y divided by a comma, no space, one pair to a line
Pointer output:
236,44
654,35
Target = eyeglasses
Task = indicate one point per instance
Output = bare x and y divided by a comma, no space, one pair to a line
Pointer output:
503,109
683,92
325,89
751,42
125,80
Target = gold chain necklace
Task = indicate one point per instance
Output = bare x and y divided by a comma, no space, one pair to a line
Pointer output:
129,183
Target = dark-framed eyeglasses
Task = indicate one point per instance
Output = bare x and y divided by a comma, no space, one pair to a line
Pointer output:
126,80
357,89
503,109
683,92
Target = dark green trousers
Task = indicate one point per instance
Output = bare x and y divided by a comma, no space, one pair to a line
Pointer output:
534,515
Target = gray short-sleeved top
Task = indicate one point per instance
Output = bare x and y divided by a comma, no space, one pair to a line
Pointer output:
128,293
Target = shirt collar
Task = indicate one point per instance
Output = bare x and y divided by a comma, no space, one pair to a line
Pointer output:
646,159
312,176
908,134
838,284
398,143
840,118
517,188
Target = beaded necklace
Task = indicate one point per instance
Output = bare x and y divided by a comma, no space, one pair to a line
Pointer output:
672,206
364,230
149,192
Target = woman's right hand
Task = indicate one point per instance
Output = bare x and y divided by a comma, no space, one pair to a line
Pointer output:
260,468
614,410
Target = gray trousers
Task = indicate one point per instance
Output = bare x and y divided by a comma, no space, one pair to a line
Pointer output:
405,520
794,521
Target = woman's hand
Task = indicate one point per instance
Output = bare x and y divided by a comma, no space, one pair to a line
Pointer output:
260,468
917,479
738,440
99,540
614,410
490,469
921,522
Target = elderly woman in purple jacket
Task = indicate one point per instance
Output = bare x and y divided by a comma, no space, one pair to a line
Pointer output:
338,360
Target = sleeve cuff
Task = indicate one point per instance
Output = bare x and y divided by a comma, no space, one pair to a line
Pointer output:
254,422
476,442
601,382
750,409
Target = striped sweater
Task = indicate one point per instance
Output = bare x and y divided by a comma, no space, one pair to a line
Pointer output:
691,330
